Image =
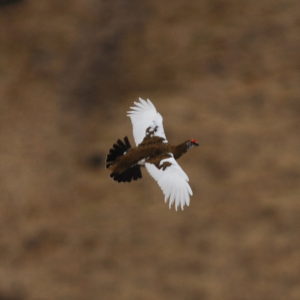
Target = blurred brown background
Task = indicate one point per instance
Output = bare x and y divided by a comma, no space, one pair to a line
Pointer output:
223,72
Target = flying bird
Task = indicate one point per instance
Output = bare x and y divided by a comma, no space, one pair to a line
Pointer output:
154,153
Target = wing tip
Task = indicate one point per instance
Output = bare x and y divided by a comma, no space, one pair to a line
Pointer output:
179,204
140,105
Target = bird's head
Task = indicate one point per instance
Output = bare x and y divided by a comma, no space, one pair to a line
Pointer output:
192,143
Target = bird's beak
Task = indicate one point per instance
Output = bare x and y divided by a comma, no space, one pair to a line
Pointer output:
194,142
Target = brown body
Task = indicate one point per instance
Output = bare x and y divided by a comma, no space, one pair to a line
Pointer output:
151,150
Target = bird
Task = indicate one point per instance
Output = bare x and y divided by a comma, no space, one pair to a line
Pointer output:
153,152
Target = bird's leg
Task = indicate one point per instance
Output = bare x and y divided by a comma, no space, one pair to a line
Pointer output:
165,165
157,161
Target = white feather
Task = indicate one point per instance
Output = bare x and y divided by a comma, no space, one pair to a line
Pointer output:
173,182
144,115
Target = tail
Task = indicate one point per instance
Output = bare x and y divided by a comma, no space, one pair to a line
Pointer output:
133,173
119,149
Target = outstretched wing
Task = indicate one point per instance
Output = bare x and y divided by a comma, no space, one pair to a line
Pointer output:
173,181
145,118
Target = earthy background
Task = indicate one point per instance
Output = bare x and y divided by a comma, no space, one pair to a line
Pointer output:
223,72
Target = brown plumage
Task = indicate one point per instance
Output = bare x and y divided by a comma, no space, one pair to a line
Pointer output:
123,161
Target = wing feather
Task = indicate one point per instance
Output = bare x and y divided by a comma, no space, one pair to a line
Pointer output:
144,115
173,182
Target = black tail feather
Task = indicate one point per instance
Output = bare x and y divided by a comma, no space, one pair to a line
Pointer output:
132,173
118,149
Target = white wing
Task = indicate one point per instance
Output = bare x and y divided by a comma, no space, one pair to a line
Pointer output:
173,182
143,115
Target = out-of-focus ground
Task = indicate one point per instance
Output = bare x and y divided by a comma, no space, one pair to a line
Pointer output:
224,72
